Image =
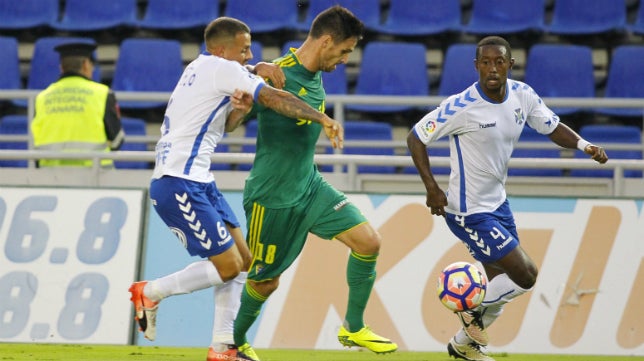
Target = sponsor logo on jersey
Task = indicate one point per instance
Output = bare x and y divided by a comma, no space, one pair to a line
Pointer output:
487,125
302,92
430,126
342,203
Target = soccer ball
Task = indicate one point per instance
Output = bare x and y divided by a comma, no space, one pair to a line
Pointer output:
461,286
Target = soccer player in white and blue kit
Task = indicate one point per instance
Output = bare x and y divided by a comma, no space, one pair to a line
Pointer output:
484,123
214,94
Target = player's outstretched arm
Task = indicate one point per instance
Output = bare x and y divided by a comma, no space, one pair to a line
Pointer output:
568,138
293,107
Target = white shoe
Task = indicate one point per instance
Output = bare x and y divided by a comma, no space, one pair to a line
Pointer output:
470,351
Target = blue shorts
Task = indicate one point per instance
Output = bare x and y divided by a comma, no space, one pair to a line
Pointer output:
488,236
196,213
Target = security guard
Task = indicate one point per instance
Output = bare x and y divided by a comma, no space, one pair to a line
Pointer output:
76,114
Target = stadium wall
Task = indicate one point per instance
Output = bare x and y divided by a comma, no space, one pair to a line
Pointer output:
69,254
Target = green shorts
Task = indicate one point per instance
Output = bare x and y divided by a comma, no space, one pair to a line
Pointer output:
276,236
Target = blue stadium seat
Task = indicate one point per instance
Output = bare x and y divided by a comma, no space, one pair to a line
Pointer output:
250,132
14,125
638,26
27,14
391,68
506,17
368,11
530,135
458,69
551,77
440,148
9,64
147,65
602,134
422,17
172,14
582,17
94,15
45,63
368,130
625,79
264,16
133,126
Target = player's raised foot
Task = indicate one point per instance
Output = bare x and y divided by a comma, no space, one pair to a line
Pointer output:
246,353
473,326
470,351
367,339
222,352
145,310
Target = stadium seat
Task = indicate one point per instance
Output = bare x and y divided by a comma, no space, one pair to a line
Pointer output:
530,135
638,26
458,69
422,17
582,17
603,134
171,14
14,125
440,148
506,17
133,126
147,65
391,68
368,11
551,77
94,15
264,16
22,14
45,63
9,64
625,79
368,130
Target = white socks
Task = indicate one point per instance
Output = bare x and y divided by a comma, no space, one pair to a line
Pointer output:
500,290
227,302
196,276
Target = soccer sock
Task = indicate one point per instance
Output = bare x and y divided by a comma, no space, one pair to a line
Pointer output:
361,275
227,301
251,305
500,290
194,277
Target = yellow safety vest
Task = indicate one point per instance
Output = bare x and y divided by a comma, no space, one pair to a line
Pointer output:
70,117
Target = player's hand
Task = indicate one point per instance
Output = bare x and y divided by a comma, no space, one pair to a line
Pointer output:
272,72
335,132
241,101
598,154
436,201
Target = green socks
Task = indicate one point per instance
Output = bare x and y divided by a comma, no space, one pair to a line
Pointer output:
361,275
251,305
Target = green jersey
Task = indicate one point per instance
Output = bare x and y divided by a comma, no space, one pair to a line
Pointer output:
283,169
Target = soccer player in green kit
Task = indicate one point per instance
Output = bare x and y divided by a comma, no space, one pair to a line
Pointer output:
285,196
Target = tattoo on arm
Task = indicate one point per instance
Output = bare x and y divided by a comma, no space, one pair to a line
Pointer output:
288,104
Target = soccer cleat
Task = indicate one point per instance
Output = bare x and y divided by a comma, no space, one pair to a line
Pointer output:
145,310
246,353
473,326
227,353
367,339
470,351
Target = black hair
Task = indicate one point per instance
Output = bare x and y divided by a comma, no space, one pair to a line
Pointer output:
338,22
494,40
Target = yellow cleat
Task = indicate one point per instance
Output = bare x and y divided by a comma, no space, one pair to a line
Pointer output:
367,339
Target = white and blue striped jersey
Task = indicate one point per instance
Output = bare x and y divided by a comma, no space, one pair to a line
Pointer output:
196,114
482,135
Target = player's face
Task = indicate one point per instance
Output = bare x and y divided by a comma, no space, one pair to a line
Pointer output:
239,49
493,65
334,54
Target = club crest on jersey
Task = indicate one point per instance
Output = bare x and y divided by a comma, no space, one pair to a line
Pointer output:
519,116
